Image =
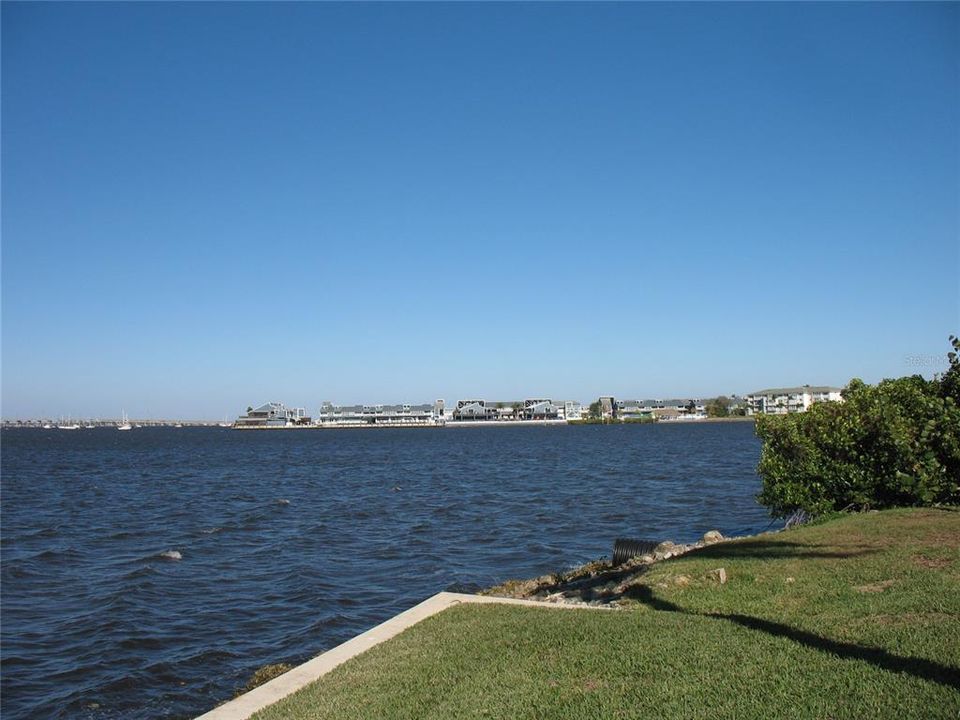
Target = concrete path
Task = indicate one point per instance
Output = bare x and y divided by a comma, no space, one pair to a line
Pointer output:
247,704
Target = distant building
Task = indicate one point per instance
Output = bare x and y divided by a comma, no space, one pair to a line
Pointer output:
542,410
672,409
737,405
784,401
273,414
331,415
474,410
633,410
608,407
572,410
511,410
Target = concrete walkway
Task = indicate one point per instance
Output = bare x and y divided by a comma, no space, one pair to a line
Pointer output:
247,704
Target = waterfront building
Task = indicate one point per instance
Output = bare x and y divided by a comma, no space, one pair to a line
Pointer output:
608,407
474,410
572,410
511,410
634,410
405,414
671,409
541,410
272,414
784,401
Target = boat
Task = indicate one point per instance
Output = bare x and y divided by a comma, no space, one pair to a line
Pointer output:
47,426
125,425
68,425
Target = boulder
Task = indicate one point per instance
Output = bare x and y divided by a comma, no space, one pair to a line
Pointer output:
712,536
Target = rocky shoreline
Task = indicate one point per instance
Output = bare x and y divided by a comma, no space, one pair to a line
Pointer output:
602,584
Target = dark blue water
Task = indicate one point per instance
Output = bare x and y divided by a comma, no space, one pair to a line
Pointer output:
294,541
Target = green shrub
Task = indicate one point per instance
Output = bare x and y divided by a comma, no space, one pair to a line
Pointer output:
891,444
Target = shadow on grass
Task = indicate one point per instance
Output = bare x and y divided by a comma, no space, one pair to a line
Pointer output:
773,550
918,667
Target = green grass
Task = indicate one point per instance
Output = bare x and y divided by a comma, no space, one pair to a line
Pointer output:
855,618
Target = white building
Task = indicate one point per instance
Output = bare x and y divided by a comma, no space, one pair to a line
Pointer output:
783,401
511,410
273,414
331,415
671,409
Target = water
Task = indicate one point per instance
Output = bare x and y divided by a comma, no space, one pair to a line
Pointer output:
147,574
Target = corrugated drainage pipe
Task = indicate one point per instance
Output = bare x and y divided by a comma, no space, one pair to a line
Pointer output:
624,549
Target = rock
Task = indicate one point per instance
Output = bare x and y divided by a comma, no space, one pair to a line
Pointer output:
264,675
789,581
665,550
520,588
720,575
713,536
646,559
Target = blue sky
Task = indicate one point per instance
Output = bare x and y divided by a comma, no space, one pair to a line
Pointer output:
207,206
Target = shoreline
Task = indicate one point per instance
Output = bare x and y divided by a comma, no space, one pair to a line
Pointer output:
186,424
492,423
601,583
570,590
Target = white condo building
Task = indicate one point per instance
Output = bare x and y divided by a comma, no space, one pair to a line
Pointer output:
783,401
406,414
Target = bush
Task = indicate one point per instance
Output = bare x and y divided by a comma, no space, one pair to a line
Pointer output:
891,444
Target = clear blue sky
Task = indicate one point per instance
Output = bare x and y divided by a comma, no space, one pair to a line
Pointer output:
207,206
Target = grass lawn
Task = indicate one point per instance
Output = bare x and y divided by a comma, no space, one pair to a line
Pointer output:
855,618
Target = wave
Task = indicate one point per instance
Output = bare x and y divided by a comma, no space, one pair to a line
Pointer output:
143,571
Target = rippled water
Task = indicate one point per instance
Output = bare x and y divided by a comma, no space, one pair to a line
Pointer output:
292,542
